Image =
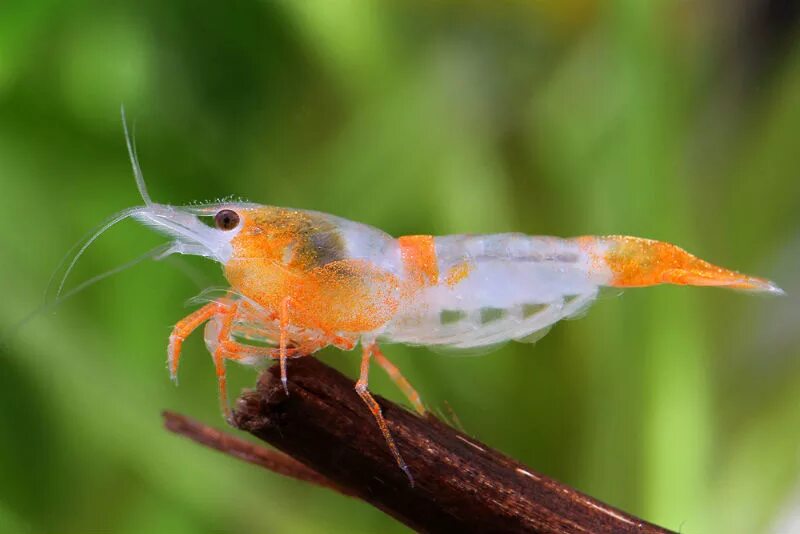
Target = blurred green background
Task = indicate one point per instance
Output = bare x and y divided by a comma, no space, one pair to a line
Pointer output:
672,120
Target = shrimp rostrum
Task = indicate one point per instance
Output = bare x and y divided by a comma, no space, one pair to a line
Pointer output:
302,280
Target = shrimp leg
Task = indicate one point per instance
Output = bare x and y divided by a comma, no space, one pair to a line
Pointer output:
218,337
235,350
184,328
374,407
283,342
398,378
221,325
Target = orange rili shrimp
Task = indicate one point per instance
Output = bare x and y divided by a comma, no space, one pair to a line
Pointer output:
302,280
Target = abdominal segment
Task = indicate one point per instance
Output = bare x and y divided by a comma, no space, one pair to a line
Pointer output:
483,290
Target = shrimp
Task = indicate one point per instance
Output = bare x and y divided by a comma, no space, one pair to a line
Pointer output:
302,280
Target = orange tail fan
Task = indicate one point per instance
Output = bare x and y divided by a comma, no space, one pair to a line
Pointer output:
636,262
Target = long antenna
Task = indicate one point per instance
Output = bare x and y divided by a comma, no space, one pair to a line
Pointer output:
137,170
114,219
6,335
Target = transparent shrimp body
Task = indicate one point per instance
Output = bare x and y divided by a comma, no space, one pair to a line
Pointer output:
303,280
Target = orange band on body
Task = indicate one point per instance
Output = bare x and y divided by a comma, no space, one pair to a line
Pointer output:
419,259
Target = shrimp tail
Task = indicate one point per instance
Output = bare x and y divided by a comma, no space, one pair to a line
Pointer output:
637,262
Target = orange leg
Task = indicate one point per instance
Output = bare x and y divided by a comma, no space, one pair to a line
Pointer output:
220,355
230,349
398,378
235,350
369,400
222,385
284,341
186,326
342,343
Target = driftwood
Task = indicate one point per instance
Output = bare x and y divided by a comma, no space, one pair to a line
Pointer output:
269,459
461,485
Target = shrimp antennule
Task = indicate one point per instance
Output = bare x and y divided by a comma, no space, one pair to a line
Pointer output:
130,142
157,253
114,219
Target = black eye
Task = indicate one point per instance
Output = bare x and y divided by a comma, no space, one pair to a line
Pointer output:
226,219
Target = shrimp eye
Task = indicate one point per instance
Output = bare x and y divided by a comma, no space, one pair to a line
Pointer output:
226,219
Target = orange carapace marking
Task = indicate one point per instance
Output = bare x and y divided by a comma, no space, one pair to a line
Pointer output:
419,259
278,258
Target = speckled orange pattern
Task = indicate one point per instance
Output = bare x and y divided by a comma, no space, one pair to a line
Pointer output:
276,257
637,262
457,273
419,259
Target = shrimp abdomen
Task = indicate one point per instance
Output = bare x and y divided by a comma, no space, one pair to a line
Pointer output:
483,290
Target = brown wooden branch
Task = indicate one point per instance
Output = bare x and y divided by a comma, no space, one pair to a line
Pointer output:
461,484
269,459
